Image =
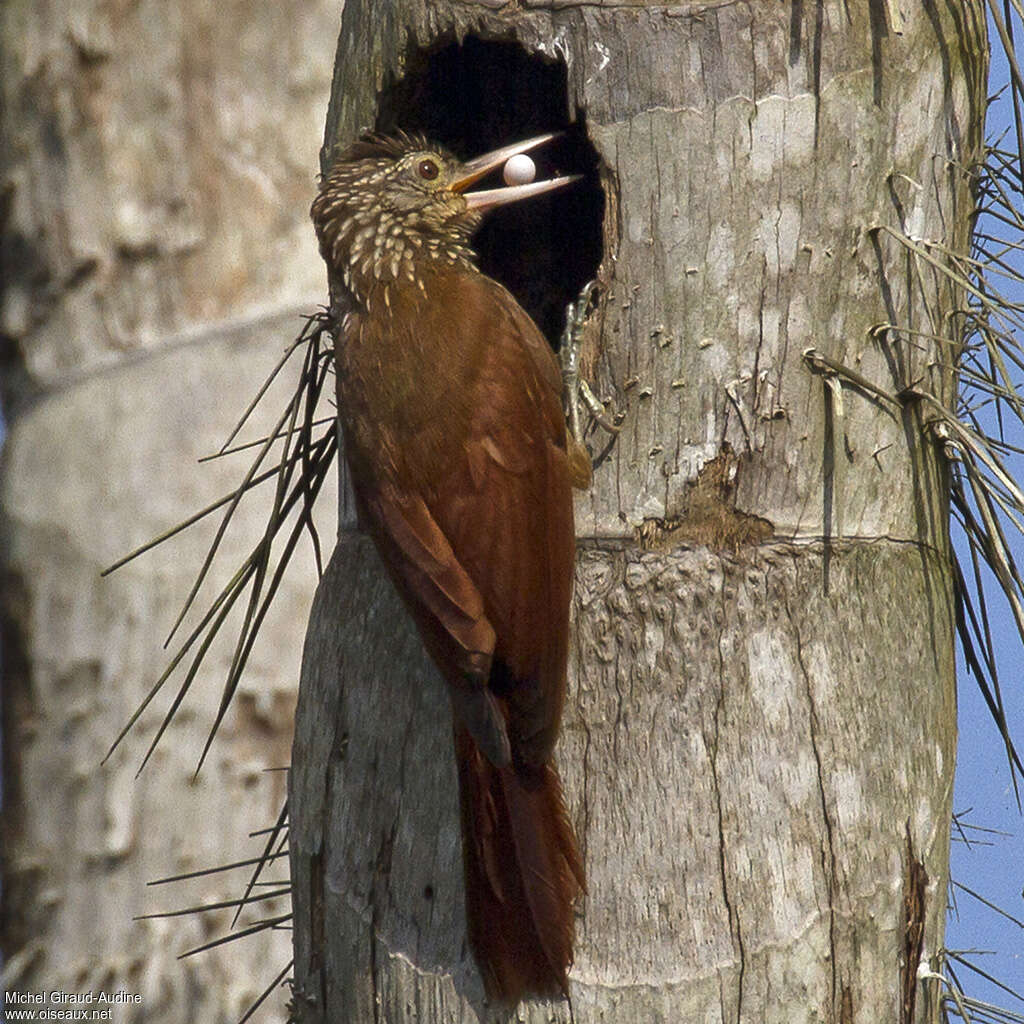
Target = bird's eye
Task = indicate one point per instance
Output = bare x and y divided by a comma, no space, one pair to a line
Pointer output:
428,169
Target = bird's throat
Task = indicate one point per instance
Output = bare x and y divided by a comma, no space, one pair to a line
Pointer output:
372,251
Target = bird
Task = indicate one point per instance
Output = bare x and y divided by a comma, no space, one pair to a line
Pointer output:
450,404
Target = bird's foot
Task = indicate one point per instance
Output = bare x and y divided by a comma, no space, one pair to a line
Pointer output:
576,388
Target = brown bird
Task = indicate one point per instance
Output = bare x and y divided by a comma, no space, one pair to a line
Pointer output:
450,403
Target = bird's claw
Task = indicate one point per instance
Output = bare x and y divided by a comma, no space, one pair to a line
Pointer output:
597,410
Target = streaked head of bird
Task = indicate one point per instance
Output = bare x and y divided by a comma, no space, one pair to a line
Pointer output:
385,203
388,203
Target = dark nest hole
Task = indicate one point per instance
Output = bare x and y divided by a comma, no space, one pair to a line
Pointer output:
480,95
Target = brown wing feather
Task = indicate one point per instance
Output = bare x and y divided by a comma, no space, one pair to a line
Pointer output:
506,509
447,608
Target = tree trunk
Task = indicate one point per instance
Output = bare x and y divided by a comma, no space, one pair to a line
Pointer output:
759,748
156,258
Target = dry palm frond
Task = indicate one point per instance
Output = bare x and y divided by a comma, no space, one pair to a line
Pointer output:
266,993
982,438
987,339
985,446
304,460
306,448
979,437
270,890
953,1002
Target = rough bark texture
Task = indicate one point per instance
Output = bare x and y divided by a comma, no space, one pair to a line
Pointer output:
157,171
760,744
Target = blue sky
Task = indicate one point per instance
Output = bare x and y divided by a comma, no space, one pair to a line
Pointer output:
993,865
996,869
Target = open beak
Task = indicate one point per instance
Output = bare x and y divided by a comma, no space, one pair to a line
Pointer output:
488,199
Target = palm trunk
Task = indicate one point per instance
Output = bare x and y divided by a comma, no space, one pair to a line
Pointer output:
759,749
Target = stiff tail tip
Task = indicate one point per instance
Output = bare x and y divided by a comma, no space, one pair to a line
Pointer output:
523,872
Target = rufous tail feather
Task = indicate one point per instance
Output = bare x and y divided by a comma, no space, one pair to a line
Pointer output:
523,872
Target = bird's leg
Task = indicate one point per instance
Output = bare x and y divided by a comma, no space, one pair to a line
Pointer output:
576,388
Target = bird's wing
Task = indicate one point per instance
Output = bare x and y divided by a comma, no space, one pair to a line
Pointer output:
447,606
477,526
505,507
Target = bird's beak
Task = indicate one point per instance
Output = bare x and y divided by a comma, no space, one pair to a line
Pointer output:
488,199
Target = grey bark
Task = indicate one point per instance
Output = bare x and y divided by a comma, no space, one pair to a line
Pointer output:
157,169
760,741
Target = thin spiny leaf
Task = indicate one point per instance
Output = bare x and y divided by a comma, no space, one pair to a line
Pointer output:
222,528
991,694
190,676
1011,59
204,908
203,872
249,445
259,926
316,465
984,974
248,636
261,561
980,625
237,582
966,825
191,520
986,1013
287,414
304,336
282,818
989,904
266,993
305,447
961,830
321,458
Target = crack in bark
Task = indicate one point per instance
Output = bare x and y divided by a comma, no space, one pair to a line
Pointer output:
618,688
734,917
382,872
316,967
828,855
682,9
575,635
759,348
373,960
584,831
915,886
846,1006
